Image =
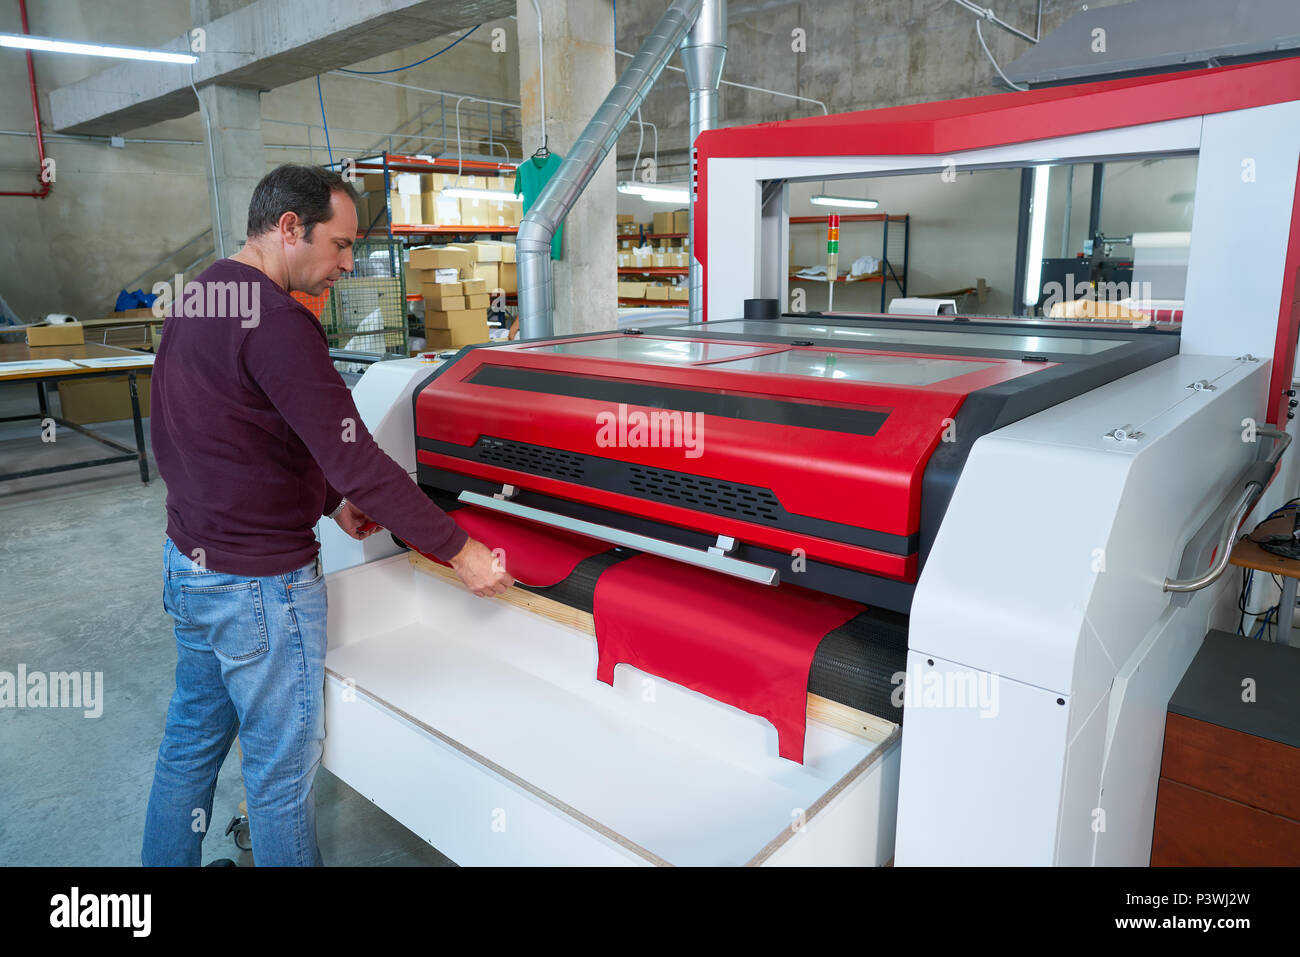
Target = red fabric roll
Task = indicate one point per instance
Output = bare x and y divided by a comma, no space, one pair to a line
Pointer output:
533,554
748,645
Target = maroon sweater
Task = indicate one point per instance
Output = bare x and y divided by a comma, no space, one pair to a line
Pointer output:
257,436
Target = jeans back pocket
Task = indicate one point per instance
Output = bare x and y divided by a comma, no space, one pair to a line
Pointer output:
230,619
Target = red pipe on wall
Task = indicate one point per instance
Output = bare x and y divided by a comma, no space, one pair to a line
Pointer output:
36,113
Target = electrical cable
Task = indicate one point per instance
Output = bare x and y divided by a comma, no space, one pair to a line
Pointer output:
398,69
325,123
980,33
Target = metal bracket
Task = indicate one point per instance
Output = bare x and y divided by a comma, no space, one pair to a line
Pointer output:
1203,385
725,545
1124,433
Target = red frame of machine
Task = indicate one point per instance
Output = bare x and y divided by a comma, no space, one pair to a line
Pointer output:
980,122
870,482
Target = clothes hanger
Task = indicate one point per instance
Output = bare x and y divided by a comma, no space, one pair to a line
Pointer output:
543,152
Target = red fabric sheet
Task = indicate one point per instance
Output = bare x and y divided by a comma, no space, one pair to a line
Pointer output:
533,554
748,645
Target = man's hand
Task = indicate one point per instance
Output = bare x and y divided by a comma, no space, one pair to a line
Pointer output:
354,521
481,571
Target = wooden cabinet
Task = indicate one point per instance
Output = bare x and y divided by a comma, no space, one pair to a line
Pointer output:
1229,791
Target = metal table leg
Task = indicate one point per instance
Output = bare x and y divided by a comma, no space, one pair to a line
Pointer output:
139,432
1286,612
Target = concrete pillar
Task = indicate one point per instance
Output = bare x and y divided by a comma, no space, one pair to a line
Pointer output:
578,61
234,115
239,161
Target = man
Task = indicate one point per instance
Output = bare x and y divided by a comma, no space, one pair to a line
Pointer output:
257,438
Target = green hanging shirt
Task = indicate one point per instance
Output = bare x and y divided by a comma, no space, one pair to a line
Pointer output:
531,175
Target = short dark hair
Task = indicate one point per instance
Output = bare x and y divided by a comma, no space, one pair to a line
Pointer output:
293,188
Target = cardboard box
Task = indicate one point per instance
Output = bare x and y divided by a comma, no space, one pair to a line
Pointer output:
656,291
678,294
631,290
436,339
625,218
441,290
681,221
445,209
473,212
454,318
440,257
444,304
60,334
474,287
370,183
488,272
88,401
663,223
481,252
508,251
508,278
462,327
477,301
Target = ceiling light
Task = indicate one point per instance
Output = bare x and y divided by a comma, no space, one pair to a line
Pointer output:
654,193
24,41
845,201
473,192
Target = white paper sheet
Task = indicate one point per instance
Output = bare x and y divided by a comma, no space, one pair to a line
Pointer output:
108,362
36,365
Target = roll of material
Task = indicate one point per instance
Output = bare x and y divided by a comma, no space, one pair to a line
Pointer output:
58,318
762,309
1161,240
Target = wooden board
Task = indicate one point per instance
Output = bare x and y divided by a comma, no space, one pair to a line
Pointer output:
821,710
1247,554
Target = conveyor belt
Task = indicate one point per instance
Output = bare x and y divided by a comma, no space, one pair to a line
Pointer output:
855,664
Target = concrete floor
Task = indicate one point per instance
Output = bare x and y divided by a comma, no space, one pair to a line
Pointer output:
80,587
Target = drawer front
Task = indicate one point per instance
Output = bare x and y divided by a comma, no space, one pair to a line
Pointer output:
1240,767
1198,829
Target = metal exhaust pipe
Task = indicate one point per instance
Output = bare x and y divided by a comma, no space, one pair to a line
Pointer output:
533,243
703,55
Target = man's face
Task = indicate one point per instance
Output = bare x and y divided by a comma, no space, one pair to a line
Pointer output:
315,264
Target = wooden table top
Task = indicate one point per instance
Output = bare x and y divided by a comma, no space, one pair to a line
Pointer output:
20,352
1248,554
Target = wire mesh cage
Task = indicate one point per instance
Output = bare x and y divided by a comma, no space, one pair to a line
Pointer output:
367,310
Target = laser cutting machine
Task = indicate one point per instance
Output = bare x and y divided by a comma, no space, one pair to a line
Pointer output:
1035,515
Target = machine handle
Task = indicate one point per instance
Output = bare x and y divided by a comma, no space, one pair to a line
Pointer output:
713,561
1258,476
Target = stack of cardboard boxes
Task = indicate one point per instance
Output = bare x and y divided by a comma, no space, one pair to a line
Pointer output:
666,249
417,199
458,282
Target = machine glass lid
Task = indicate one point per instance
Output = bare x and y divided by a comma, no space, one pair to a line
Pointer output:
897,370
645,349
894,335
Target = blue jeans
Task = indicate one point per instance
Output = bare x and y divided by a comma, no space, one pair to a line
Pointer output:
250,661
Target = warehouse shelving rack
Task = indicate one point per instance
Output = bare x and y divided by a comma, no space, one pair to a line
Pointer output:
894,247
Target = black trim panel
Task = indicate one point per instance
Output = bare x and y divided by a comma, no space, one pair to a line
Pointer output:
746,503
806,415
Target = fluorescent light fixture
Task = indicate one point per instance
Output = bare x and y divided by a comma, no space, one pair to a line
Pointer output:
473,192
23,41
846,201
1037,231
655,193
